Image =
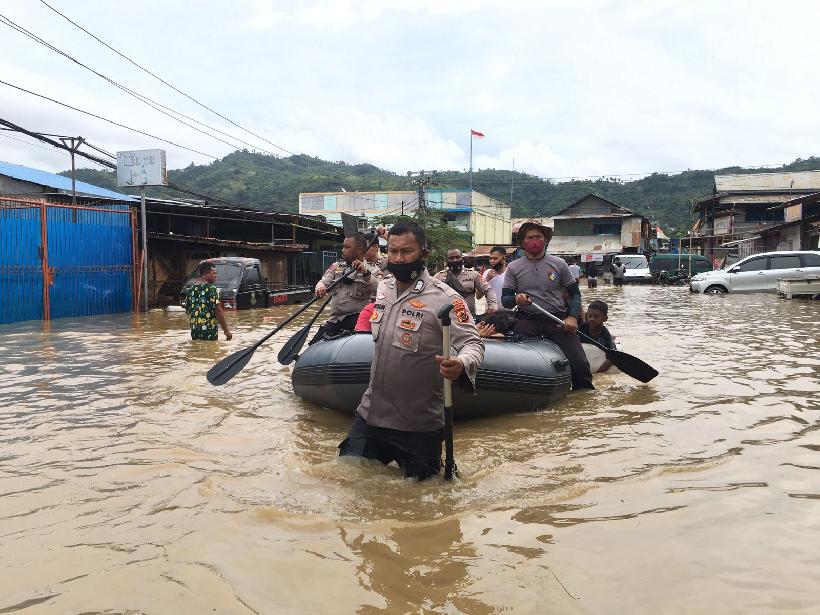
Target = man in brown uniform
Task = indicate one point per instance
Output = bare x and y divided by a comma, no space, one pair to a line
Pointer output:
467,282
376,259
353,293
401,415
542,279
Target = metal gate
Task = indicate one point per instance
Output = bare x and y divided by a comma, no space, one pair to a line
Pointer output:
63,260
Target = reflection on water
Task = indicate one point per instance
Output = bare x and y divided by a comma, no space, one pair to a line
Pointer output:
127,482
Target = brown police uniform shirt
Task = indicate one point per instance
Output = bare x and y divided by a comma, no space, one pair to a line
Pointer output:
473,286
543,280
406,390
380,267
349,298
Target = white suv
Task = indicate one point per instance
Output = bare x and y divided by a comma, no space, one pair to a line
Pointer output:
637,268
758,273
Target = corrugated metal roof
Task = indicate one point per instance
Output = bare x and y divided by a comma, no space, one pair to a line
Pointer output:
802,180
603,244
59,182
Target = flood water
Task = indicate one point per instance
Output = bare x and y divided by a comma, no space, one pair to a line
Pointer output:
129,484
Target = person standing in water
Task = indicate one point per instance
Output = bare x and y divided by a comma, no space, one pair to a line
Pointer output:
401,415
202,305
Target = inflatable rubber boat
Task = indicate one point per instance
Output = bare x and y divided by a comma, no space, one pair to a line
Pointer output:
514,376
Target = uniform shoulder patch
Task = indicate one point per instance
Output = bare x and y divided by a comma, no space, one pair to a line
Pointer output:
462,313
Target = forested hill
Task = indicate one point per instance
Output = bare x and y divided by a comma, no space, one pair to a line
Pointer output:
265,182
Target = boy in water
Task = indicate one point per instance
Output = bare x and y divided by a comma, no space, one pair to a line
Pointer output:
594,327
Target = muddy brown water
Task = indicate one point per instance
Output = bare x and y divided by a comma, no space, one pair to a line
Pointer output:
128,484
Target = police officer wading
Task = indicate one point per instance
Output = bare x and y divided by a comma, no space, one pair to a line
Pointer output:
467,282
353,293
401,415
539,278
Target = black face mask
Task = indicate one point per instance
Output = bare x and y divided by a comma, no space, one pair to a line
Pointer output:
455,266
406,272
498,265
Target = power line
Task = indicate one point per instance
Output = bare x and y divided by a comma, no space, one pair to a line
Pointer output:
105,119
188,96
157,106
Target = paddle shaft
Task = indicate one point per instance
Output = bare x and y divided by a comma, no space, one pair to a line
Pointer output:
561,322
449,459
240,356
298,340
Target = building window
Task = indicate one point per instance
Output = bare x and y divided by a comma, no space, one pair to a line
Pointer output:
609,228
330,202
381,201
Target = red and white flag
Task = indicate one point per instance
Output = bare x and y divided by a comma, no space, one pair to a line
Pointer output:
475,133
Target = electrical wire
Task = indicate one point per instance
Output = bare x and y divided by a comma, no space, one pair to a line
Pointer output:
153,104
105,119
188,96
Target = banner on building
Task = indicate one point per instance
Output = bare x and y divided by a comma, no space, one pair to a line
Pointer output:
723,226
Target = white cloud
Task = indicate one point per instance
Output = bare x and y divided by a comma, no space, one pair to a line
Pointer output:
567,89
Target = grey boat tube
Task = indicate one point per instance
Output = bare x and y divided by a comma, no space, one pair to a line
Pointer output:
514,376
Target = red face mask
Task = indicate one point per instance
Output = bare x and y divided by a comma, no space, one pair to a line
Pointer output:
534,246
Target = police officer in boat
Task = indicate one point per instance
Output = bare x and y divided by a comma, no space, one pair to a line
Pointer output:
401,415
540,278
467,282
353,293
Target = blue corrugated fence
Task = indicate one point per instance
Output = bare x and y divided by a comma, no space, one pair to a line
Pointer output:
89,261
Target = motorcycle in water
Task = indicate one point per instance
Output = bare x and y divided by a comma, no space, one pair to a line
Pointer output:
678,277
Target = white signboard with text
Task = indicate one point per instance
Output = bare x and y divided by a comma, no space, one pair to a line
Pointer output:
142,168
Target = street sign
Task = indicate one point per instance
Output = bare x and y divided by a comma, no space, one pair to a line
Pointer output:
142,168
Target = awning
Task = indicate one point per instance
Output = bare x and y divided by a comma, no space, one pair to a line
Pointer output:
602,244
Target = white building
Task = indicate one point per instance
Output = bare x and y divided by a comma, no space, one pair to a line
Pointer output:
487,219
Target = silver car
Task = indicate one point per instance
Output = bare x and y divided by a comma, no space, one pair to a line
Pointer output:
758,273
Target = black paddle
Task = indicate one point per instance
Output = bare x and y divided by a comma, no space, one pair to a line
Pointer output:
290,351
449,460
628,364
231,365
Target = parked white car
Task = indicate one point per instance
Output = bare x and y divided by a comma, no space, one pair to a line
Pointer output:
758,273
637,268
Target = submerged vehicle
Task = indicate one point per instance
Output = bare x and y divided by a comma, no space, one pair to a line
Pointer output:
514,376
637,268
241,285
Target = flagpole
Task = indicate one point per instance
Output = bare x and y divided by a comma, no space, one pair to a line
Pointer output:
471,164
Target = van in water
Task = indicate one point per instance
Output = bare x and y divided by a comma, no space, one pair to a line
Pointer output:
671,262
241,285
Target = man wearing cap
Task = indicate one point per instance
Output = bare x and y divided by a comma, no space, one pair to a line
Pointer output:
540,278
467,282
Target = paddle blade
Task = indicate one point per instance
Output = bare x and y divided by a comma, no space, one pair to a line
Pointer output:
290,351
632,366
230,366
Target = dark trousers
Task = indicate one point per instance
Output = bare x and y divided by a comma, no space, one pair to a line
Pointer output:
418,453
618,281
569,343
332,329
592,283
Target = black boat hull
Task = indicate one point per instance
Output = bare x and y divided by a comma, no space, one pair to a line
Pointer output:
514,377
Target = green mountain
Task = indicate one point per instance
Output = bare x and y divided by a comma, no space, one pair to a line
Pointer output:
266,182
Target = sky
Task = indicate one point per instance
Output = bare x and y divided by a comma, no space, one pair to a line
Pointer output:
563,89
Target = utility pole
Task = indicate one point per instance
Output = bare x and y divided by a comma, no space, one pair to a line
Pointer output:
422,181
72,144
